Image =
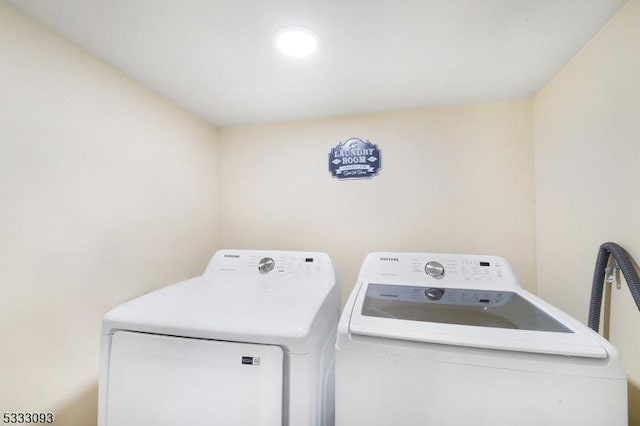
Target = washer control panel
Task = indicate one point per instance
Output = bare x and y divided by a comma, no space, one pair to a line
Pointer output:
469,269
438,270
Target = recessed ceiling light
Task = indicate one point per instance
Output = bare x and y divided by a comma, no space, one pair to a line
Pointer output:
296,42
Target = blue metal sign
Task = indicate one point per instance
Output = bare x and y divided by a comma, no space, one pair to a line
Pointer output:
354,159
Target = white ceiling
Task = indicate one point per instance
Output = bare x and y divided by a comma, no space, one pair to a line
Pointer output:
216,57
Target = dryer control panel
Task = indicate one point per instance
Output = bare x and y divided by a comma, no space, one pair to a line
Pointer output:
438,270
270,265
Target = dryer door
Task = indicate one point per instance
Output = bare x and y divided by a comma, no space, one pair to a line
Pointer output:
167,381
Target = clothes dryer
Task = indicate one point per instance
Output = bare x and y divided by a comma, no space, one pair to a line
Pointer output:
250,342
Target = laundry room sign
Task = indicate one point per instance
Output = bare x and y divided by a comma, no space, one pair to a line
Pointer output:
354,159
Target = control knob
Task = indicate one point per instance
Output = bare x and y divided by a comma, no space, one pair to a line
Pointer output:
434,269
266,264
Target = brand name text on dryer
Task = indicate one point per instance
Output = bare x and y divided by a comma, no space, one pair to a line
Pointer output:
390,259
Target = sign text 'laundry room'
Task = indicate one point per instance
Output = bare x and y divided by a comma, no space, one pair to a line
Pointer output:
354,159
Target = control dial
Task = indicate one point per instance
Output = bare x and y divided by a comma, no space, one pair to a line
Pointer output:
266,264
434,269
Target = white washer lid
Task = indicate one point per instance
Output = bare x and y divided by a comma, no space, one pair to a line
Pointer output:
402,312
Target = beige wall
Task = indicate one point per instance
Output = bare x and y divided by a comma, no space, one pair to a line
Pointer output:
106,192
587,169
454,179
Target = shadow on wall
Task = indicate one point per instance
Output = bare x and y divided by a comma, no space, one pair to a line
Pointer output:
82,411
634,410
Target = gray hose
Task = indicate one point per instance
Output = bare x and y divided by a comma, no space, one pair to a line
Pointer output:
628,270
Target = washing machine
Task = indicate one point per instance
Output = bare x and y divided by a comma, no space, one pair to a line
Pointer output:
453,340
250,342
